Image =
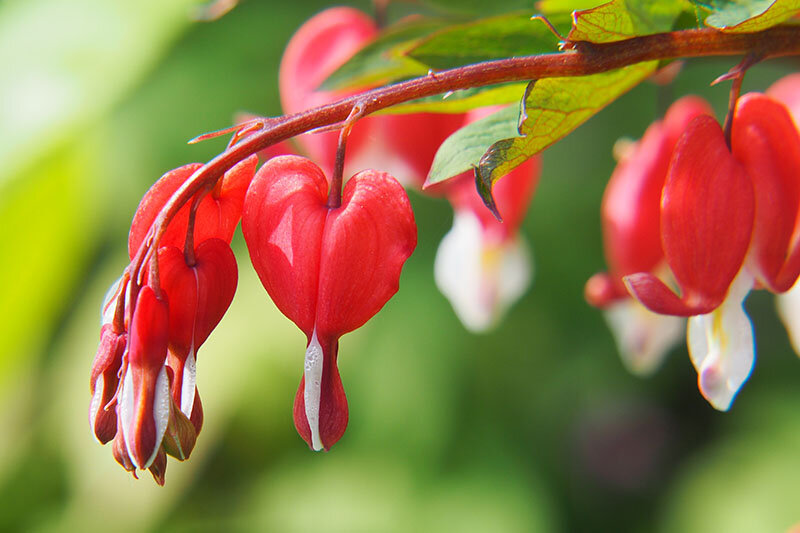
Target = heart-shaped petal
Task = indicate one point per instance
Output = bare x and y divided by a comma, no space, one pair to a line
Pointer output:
282,222
327,269
764,139
365,243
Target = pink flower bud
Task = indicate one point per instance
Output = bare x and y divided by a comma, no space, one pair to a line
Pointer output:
144,403
327,269
103,382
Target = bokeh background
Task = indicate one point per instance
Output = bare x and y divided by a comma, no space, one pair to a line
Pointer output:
534,427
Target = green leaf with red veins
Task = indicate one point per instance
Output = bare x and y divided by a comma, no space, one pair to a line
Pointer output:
483,40
622,19
384,59
554,107
745,16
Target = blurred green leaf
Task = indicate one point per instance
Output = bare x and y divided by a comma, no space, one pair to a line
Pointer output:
742,16
492,38
622,19
477,7
46,227
553,108
384,59
463,150
78,58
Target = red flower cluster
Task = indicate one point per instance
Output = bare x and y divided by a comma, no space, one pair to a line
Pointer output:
715,216
328,262
143,378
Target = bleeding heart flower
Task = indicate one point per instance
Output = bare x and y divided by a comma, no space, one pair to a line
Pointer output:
728,219
328,269
630,215
404,145
217,215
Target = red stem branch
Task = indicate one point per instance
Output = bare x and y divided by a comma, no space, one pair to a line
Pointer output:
586,58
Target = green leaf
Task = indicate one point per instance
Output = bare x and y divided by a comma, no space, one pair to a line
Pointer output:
384,59
492,38
463,149
743,16
548,7
462,101
553,108
623,19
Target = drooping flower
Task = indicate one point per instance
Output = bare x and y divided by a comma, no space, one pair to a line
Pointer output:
630,215
483,265
728,220
328,269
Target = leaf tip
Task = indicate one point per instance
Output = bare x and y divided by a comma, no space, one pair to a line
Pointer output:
484,187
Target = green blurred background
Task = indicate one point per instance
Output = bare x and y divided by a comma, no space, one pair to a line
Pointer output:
535,427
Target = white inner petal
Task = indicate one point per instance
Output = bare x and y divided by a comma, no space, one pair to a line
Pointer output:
126,410
457,271
643,338
515,272
721,346
161,404
312,372
110,303
788,305
480,280
94,406
189,383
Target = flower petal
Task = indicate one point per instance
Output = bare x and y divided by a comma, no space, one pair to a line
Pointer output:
721,346
707,210
282,222
320,405
365,243
643,338
766,142
481,280
788,304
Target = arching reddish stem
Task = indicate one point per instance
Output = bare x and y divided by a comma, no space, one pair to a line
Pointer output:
583,59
